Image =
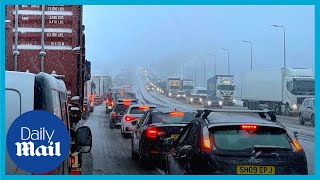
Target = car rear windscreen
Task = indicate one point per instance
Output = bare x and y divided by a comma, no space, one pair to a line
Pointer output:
137,110
121,108
237,139
167,118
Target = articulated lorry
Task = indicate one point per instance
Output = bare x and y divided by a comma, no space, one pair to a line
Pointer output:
187,86
222,86
173,86
282,90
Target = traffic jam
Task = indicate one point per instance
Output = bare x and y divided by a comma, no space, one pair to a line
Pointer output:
145,122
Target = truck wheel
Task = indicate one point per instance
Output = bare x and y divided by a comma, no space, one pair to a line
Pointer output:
301,120
286,110
312,120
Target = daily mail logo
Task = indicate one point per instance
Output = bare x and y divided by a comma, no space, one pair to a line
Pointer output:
28,149
38,142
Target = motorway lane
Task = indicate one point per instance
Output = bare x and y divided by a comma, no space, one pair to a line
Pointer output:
110,153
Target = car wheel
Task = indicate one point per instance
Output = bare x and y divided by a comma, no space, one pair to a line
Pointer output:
301,120
143,162
134,155
312,120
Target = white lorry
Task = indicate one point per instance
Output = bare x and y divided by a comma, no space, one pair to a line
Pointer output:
173,86
282,90
222,86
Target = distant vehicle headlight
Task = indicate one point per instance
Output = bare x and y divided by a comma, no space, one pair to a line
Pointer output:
170,94
233,100
184,95
220,103
294,106
200,99
191,99
178,95
209,103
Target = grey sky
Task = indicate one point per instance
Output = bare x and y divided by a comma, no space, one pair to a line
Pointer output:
168,35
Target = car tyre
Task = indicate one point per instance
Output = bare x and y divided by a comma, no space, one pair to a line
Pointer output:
301,120
312,120
134,155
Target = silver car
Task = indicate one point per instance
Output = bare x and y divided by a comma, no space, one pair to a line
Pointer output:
306,111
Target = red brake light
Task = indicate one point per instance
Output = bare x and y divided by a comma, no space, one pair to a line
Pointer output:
129,118
83,109
153,132
73,160
127,100
126,104
207,143
247,127
176,114
114,114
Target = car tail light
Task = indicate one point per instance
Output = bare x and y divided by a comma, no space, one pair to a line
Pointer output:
249,127
153,132
129,118
207,143
143,107
176,114
114,114
126,100
75,173
126,104
83,109
73,159
296,145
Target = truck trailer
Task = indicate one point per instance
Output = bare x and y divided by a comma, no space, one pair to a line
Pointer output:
282,90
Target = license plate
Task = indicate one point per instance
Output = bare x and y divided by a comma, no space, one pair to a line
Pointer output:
247,169
174,136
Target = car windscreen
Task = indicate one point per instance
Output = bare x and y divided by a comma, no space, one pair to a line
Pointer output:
173,118
138,110
235,138
121,108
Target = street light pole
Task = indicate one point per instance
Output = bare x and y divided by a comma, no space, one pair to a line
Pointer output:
228,60
251,50
284,44
204,72
195,72
215,63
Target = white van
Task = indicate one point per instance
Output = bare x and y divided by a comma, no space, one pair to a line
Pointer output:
26,92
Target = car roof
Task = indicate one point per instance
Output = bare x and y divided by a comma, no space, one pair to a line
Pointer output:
168,110
138,105
222,120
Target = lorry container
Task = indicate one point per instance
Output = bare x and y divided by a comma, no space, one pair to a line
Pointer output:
222,86
48,38
282,90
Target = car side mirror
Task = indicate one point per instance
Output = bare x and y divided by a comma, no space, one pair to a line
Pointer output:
108,111
83,139
134,123
168,142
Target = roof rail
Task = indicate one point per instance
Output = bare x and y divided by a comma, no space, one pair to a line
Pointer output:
261,113
57,76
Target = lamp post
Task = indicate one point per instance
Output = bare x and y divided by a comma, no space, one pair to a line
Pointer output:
215,63
284,44
228,60
251,50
